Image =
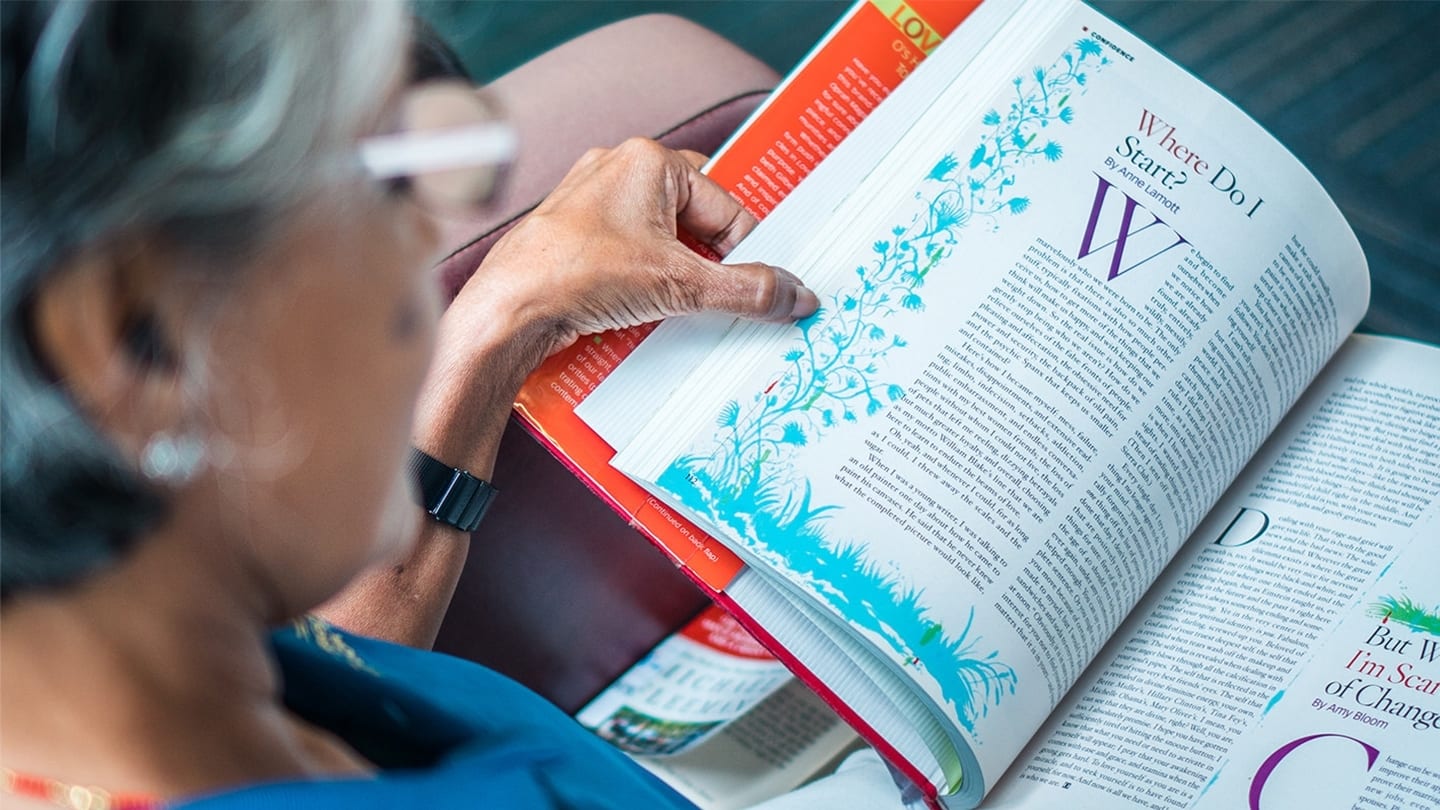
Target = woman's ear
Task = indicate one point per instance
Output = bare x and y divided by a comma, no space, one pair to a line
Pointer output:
100,325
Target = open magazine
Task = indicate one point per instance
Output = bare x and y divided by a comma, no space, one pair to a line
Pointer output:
1068,292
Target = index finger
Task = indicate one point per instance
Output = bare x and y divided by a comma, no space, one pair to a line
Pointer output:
707,211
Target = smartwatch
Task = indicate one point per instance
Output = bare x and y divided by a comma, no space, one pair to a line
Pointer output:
449,494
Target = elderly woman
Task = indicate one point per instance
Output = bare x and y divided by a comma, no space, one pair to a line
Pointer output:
220,344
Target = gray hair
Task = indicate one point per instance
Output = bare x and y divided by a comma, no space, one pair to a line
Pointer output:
203,123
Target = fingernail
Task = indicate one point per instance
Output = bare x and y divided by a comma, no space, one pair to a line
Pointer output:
806,303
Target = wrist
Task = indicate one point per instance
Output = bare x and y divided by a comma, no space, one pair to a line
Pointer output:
481,360
450,495
534,276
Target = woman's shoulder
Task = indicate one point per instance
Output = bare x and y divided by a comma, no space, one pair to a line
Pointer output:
440,729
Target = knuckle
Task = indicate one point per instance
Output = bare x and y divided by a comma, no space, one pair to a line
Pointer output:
684,289
593,154
767,291
642,148
675,285
734,230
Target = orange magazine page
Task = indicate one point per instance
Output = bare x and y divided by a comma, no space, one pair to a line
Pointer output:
860,61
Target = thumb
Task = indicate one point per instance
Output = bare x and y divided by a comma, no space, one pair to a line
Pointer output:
755,290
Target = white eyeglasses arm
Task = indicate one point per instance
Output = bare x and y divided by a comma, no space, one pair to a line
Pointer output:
386,156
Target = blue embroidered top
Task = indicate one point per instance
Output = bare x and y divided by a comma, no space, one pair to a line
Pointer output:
445,733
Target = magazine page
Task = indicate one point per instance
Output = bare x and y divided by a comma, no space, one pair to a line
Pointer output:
1357,728
717,717
1070,302
775,747
687,688
1271,628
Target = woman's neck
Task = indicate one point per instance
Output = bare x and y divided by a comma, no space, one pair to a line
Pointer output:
155,677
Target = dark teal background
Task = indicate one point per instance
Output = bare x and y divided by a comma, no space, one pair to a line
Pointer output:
1353,88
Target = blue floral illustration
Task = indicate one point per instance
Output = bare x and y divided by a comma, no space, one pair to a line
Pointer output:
834,372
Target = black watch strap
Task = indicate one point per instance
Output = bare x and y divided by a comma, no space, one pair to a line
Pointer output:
448,494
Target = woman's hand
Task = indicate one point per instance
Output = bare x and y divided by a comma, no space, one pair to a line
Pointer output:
601,252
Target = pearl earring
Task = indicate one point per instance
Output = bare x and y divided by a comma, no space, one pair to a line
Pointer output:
172,460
